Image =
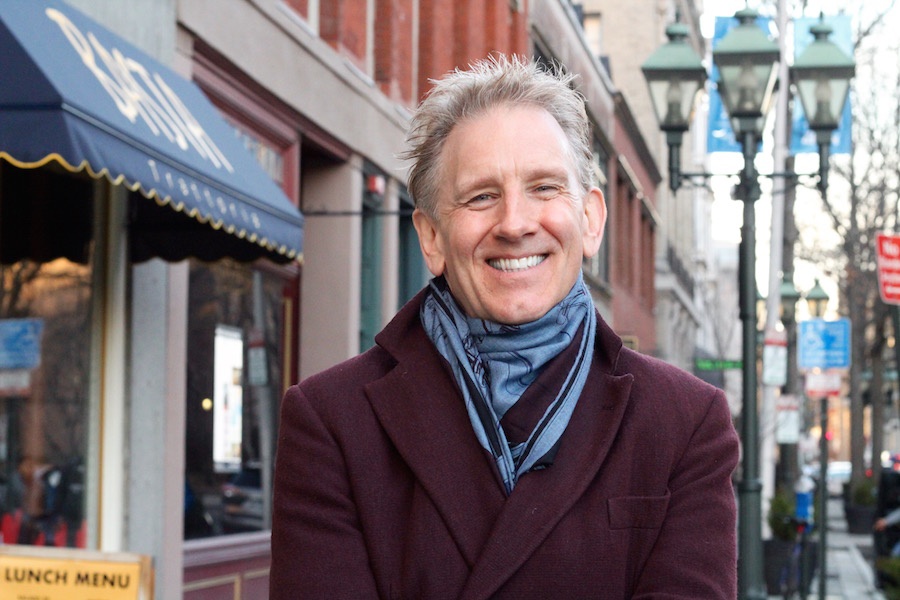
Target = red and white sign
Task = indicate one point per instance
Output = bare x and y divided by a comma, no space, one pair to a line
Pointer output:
787,419
888,260
775,358
823,383
15,382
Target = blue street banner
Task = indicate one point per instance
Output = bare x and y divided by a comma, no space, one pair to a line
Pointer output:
803,140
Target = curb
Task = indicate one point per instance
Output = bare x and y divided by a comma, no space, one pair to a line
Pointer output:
868,571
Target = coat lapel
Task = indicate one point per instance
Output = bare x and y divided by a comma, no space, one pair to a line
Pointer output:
422,412
541,499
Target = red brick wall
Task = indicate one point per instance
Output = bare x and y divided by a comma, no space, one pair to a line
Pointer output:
342,23
632,277
470,32
394,49
301,6
436,30
454,33
451,33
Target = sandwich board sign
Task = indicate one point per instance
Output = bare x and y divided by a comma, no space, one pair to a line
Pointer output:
50,573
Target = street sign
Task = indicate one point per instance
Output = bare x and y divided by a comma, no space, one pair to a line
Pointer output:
15,382
823,344
717,364
20,343
820,384
774,371
888,260
787,419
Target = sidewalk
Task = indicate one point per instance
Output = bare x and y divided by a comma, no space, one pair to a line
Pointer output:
850,575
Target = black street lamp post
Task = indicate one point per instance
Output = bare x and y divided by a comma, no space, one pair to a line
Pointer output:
821,75
674,74
788,458
746,59
817,301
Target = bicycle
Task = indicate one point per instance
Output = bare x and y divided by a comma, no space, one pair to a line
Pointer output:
793,578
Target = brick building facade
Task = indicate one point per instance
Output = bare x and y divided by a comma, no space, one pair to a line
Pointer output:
321,92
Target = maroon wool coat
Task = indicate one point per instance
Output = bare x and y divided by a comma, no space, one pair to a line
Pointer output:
382,490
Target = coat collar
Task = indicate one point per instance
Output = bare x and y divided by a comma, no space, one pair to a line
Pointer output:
422,412
406,326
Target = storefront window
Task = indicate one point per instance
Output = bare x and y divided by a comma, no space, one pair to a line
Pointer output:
235,373
44,334
45,355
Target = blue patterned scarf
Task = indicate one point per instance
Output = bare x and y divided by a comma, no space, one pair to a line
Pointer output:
494,364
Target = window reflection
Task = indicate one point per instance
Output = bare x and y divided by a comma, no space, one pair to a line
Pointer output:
235,323
45,341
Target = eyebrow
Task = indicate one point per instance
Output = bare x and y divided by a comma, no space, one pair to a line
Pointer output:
538,173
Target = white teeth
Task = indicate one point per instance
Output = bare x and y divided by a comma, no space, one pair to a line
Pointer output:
517,264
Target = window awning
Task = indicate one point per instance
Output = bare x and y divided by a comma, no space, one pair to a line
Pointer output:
75,93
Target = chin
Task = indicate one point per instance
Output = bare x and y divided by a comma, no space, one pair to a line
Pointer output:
519,316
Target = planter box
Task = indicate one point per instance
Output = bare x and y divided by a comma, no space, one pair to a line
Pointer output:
775,556
859,518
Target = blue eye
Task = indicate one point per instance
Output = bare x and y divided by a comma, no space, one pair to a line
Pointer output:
546,191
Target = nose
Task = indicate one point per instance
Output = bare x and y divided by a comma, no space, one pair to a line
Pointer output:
517,215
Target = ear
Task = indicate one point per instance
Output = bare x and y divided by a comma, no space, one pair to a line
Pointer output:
594,221
429,241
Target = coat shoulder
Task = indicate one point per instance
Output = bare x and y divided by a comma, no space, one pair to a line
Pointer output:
666,387
362,368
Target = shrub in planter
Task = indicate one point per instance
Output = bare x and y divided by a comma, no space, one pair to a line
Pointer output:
864,494
777,550
781,511
860,511
888,571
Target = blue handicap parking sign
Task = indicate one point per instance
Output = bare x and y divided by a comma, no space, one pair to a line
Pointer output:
20,343
824,344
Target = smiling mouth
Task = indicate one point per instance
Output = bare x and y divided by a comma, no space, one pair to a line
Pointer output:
517,264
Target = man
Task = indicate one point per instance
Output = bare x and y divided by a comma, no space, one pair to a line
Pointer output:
499,441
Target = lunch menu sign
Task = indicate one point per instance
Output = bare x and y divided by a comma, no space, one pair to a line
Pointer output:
41,573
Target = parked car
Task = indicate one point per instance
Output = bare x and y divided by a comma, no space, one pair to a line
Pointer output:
838,474
242,501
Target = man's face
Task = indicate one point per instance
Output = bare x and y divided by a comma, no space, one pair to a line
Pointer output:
512,221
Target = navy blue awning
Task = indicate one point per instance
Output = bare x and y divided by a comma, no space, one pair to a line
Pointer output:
73,92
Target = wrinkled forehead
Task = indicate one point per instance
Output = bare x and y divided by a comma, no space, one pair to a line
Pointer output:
527,131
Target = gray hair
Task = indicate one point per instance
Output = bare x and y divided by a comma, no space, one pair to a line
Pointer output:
488,83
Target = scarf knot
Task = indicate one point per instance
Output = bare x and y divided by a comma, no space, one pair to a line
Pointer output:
493,364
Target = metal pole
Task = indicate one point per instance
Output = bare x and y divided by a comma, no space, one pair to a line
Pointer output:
673,139
784,474
751,583
789,454
824,141
265,406
822,518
